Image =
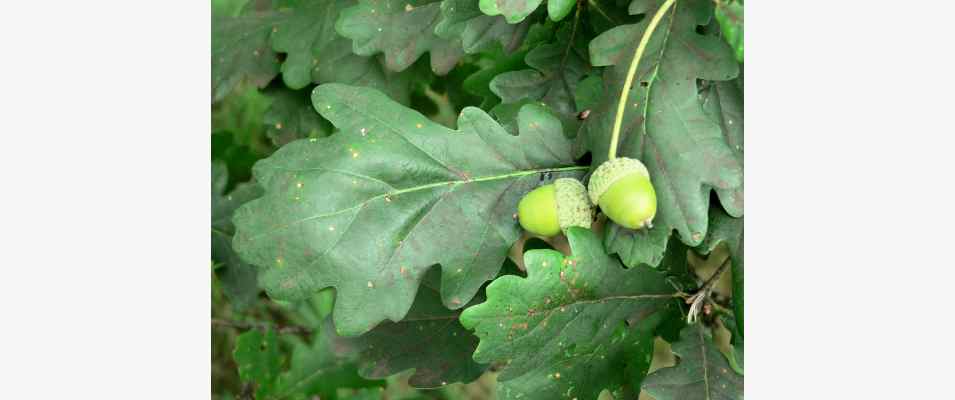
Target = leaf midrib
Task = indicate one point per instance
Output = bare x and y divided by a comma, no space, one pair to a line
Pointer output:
420,188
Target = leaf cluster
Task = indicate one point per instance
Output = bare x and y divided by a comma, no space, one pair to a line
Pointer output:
368,157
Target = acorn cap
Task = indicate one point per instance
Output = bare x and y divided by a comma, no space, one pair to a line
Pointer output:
609,172
573,208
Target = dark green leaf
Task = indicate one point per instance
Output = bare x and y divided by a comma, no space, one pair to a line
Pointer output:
236,158
557,68
241,53
227,8
401,29
514,10
430,339
701,372
561,325
292,117
507,114
240,114
317,54
238,278
729,14
371,208
735,356
726,229
320,369
463,19
664,124
558,9
589,93
304,33
259,360
479,83
723,103
340,65
635,247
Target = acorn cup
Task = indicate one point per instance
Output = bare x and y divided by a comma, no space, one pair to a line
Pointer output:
622,189
552,208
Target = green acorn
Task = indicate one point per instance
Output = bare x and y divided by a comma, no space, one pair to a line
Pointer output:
622,189
552,208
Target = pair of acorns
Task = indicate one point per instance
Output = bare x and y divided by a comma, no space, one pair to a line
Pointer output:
621,187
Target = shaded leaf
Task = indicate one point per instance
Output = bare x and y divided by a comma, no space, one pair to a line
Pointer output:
402,30
676,266
291,116
664,124
429,339
316,53
479,83
239,116
513,10
729,14
237,159
477,31
735,356
589,92
723,103
642,6
565,318
726,229
701,372
409,194
259,360
340,65
507,114
238,278
557,69
241,53
558,9
320,369
304,33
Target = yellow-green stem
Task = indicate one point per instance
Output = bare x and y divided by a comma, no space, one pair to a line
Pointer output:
618,120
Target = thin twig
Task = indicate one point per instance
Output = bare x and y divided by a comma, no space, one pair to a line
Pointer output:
716,275
289,329
697,300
